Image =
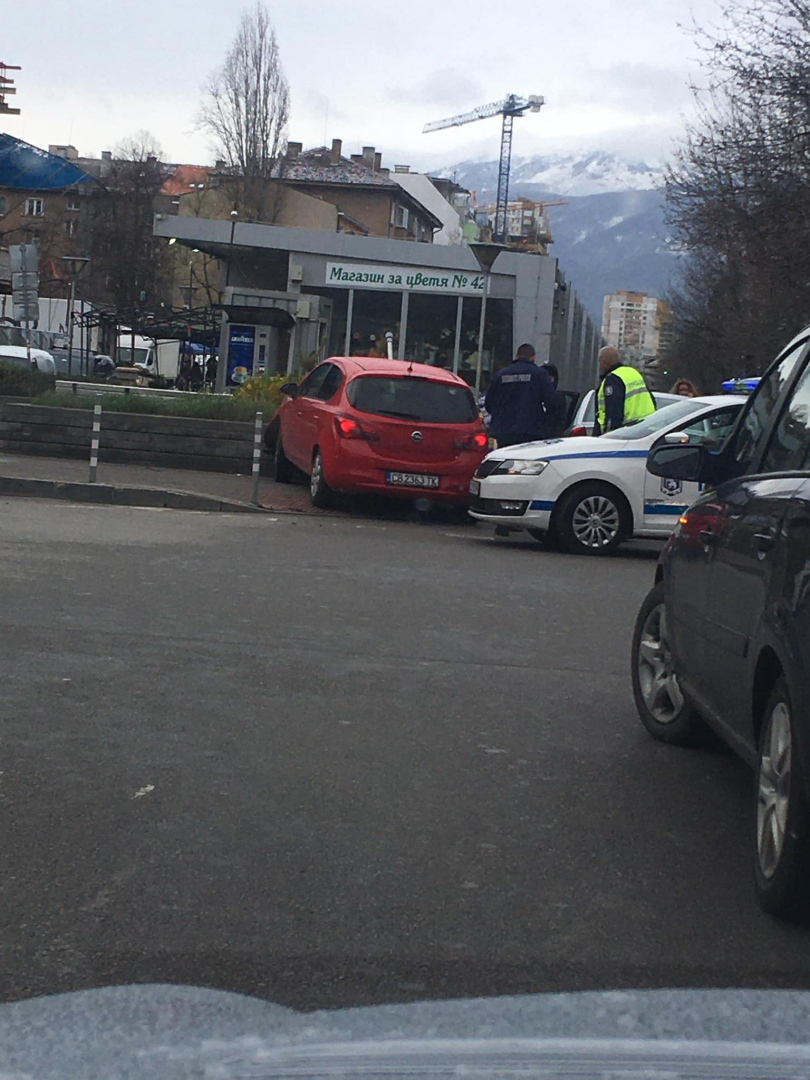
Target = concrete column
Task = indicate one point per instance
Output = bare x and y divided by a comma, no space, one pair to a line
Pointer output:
222,362
403,326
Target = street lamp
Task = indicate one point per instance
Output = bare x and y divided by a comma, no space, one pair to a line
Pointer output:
234,216
485,254
74,264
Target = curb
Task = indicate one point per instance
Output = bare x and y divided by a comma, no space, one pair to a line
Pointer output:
109,495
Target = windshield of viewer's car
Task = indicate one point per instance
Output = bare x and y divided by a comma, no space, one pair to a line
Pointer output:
656,421
413,398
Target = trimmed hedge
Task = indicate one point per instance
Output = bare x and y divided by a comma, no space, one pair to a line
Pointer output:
193,406
24,382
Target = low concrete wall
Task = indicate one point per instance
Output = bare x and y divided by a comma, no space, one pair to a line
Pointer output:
175,442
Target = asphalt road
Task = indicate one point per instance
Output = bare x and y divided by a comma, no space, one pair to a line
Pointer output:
337,762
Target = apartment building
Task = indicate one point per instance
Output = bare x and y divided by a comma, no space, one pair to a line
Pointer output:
637,324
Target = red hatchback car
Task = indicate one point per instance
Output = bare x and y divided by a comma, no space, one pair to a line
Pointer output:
385,427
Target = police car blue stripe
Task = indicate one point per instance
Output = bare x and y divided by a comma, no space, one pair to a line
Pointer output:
598,454
664,508
541,504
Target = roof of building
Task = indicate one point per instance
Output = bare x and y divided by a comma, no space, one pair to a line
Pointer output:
185,179
315,167
28,168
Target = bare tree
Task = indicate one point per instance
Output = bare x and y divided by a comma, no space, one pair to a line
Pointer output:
246,107
140,146
129,266
738,194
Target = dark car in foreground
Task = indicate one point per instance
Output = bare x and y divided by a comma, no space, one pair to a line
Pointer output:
722,641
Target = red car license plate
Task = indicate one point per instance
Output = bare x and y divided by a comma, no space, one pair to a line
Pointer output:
410,479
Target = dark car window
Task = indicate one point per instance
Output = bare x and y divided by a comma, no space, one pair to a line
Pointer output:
790,442
331,384
760,408
312,384
413,398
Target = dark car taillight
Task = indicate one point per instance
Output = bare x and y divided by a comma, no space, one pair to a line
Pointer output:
349,428
478,441
579,430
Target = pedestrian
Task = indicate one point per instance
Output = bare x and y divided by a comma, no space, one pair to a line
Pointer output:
559,421
521,400
684,388
623,396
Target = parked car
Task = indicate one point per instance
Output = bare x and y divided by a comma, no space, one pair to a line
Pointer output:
591,494
584,419
386,427
722,641
20,356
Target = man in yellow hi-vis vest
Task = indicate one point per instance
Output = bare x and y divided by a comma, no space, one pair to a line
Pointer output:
623,396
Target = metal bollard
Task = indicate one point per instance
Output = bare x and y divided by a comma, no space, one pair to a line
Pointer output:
94,440
257,458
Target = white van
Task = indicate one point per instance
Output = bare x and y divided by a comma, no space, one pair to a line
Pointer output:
157,357
18,355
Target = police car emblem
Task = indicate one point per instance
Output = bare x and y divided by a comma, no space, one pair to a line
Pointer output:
671,487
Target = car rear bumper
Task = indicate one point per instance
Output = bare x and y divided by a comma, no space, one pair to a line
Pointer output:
454,484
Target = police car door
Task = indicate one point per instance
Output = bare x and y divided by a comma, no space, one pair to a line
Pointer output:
665,500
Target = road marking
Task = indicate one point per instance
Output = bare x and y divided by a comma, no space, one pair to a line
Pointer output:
143,791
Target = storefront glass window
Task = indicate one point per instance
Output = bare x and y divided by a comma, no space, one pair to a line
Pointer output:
374,313
431,331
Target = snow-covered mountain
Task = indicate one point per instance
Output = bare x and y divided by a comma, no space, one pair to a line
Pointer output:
609,234
592,173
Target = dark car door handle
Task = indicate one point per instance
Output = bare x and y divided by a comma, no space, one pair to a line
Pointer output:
765,542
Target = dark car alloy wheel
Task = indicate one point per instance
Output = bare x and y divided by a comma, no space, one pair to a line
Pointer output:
663,710
781,819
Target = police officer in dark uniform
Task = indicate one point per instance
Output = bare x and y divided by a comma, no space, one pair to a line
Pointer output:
522,401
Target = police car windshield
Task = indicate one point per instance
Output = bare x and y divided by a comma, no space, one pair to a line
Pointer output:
661,418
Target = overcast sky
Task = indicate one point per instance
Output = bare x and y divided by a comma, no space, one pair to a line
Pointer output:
615,76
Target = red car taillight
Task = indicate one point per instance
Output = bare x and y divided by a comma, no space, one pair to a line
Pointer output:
478,441
577,431
349,428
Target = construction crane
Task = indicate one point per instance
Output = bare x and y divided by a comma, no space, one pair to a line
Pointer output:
509,108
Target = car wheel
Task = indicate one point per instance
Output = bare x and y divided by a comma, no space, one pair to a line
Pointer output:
319,491
592,520
284,468
782,832
663,710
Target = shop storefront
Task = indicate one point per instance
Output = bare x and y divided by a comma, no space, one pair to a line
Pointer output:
296,296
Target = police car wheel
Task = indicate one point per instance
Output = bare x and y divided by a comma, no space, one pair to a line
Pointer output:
592,520
661,706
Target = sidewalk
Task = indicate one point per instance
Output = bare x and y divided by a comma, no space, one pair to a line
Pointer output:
146,485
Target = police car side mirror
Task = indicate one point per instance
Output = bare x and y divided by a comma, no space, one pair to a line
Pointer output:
677,462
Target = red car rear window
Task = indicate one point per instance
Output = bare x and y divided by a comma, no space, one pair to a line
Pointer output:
412,398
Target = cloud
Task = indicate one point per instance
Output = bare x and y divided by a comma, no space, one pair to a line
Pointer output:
449,88
635,87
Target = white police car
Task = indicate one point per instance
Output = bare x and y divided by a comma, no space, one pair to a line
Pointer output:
591,494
